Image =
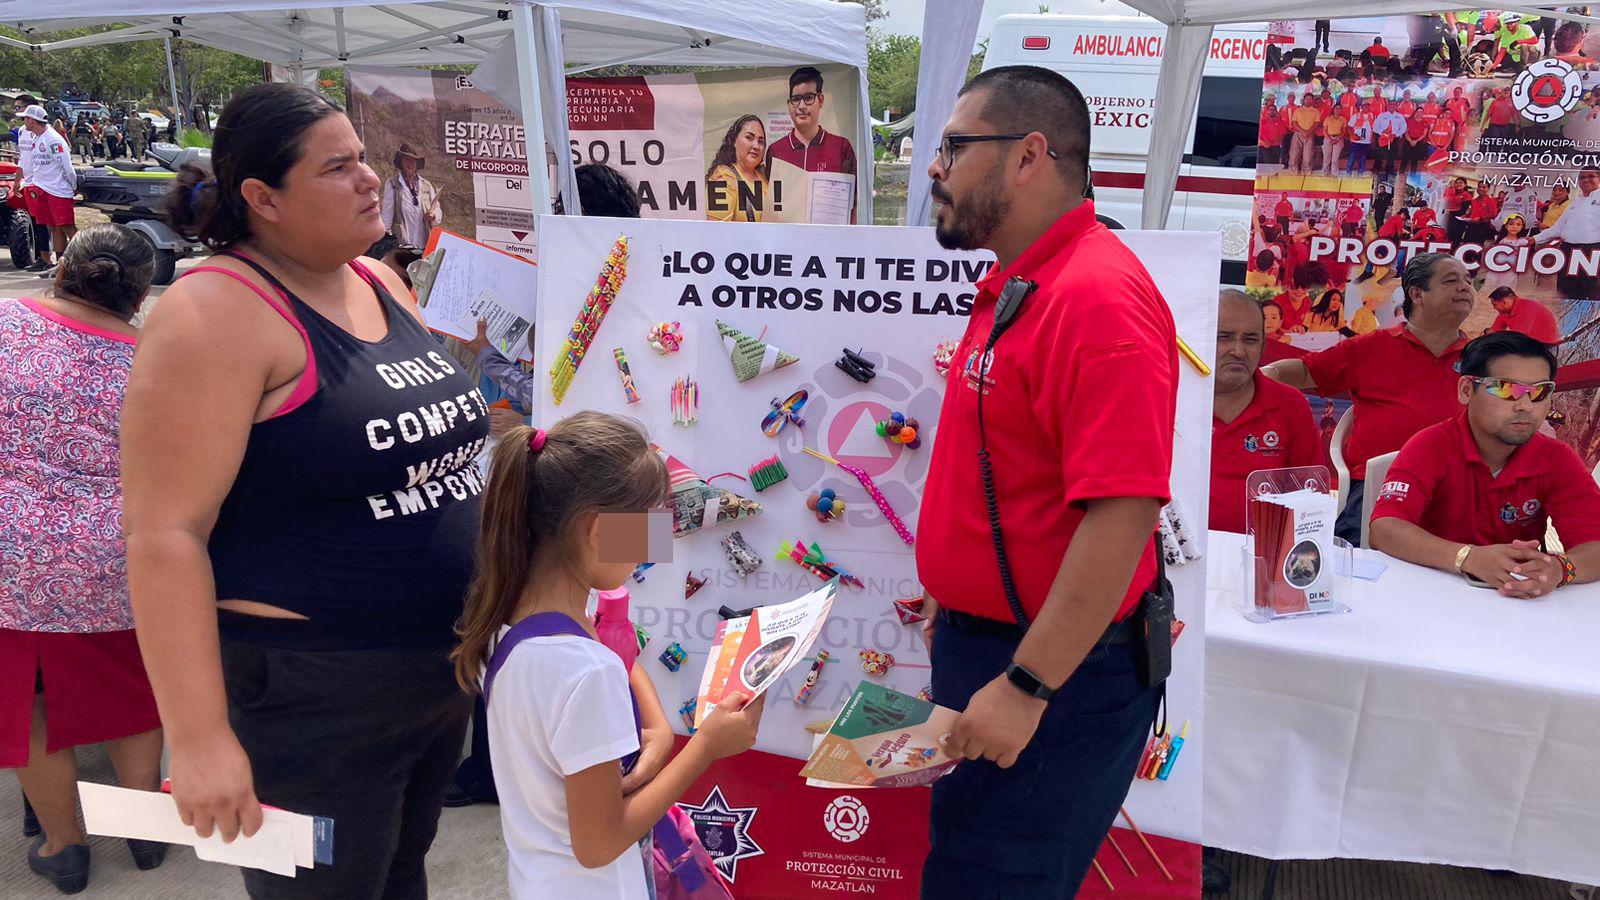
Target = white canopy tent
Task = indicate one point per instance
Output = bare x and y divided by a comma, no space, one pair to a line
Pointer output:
1189,26
551,39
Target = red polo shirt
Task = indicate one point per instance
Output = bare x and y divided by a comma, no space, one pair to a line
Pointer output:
1483,208
1397,385
827,152
1440,483
1530,317
1417,128
1273,130
1501,111
1460,108
1293,316
1275,431
1080,404
1283,210
1378,51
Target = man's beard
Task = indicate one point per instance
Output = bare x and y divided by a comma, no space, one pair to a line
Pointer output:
970,225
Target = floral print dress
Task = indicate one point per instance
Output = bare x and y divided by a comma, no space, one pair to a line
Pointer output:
63,567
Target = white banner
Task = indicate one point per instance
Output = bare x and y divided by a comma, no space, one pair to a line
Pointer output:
813,291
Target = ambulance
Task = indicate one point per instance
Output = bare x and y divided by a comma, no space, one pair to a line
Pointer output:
1115,61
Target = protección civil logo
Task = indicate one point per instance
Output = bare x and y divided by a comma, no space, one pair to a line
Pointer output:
1546,91
846,819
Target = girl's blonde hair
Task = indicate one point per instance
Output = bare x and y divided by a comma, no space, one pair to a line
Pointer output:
536,505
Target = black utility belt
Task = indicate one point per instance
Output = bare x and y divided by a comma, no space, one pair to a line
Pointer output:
1117,633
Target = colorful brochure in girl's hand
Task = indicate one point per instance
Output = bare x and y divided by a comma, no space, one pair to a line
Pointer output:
752,654
883,738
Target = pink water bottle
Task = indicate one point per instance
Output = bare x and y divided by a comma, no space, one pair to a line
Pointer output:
612,625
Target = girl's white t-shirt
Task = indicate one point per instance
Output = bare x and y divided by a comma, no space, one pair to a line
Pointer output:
561,704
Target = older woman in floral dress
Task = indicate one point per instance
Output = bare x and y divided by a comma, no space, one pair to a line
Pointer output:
70,671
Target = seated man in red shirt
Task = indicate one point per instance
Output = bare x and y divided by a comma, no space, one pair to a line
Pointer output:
1256,422
1400,379
1474,494
1530,317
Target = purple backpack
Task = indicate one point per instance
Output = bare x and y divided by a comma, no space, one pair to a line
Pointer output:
683,868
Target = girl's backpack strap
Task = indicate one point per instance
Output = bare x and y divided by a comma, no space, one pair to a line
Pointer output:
537,625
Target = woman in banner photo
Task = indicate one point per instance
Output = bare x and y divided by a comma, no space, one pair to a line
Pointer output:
410,202
70,672
737,187
299,543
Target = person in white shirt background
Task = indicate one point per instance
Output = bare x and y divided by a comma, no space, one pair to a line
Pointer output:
410,202
54,180
24,180
1579,229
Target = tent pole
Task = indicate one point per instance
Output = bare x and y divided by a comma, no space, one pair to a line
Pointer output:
172,82
532,107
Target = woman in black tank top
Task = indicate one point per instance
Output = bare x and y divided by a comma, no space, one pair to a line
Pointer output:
301,508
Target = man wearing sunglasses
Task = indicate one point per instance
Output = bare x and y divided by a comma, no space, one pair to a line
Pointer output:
1078,393
809,147
1474,495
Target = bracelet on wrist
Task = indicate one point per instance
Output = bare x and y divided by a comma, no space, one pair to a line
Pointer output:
1568,570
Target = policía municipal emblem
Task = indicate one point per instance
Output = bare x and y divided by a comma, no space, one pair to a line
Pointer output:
1508,514
1251,445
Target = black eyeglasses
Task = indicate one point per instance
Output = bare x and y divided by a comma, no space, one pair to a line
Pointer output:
947,147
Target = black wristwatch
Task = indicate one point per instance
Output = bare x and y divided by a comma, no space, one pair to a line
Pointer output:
1028,683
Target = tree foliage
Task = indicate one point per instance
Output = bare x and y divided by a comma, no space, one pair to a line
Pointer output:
133,72
892,61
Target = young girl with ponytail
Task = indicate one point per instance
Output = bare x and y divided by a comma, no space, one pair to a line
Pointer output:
560,724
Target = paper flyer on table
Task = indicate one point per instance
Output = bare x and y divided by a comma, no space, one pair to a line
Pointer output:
774,640
883,738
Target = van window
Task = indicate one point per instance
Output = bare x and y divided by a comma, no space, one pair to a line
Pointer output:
1227,122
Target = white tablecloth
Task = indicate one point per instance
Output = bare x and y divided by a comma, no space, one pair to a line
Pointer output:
1436,722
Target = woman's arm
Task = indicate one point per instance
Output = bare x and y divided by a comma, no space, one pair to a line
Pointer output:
604,823
203,365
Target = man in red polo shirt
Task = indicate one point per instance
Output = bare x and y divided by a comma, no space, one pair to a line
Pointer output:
1256,423
1530,317
808,147
1401,379
1269,141
1079,399
1474,494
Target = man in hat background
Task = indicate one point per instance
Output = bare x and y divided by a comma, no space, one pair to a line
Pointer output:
53,180
410,202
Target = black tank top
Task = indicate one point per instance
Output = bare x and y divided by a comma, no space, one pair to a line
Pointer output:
358,508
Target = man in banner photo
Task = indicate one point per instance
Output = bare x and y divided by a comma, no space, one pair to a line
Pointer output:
1078,402
809,148
1498,166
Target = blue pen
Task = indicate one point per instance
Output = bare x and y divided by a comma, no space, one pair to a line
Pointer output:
1172,755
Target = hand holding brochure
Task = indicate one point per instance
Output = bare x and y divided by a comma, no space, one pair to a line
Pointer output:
883,738
754,653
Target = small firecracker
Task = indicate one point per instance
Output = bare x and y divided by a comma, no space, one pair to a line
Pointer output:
816,557
943,354
625,374
665,337
741,555
673,657
809,689
909,611
767,473
876,662
639,570
926,694
692,585
686,712
898,429
685,402
825,505
642,636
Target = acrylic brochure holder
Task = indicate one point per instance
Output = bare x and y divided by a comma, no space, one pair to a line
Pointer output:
1293,565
